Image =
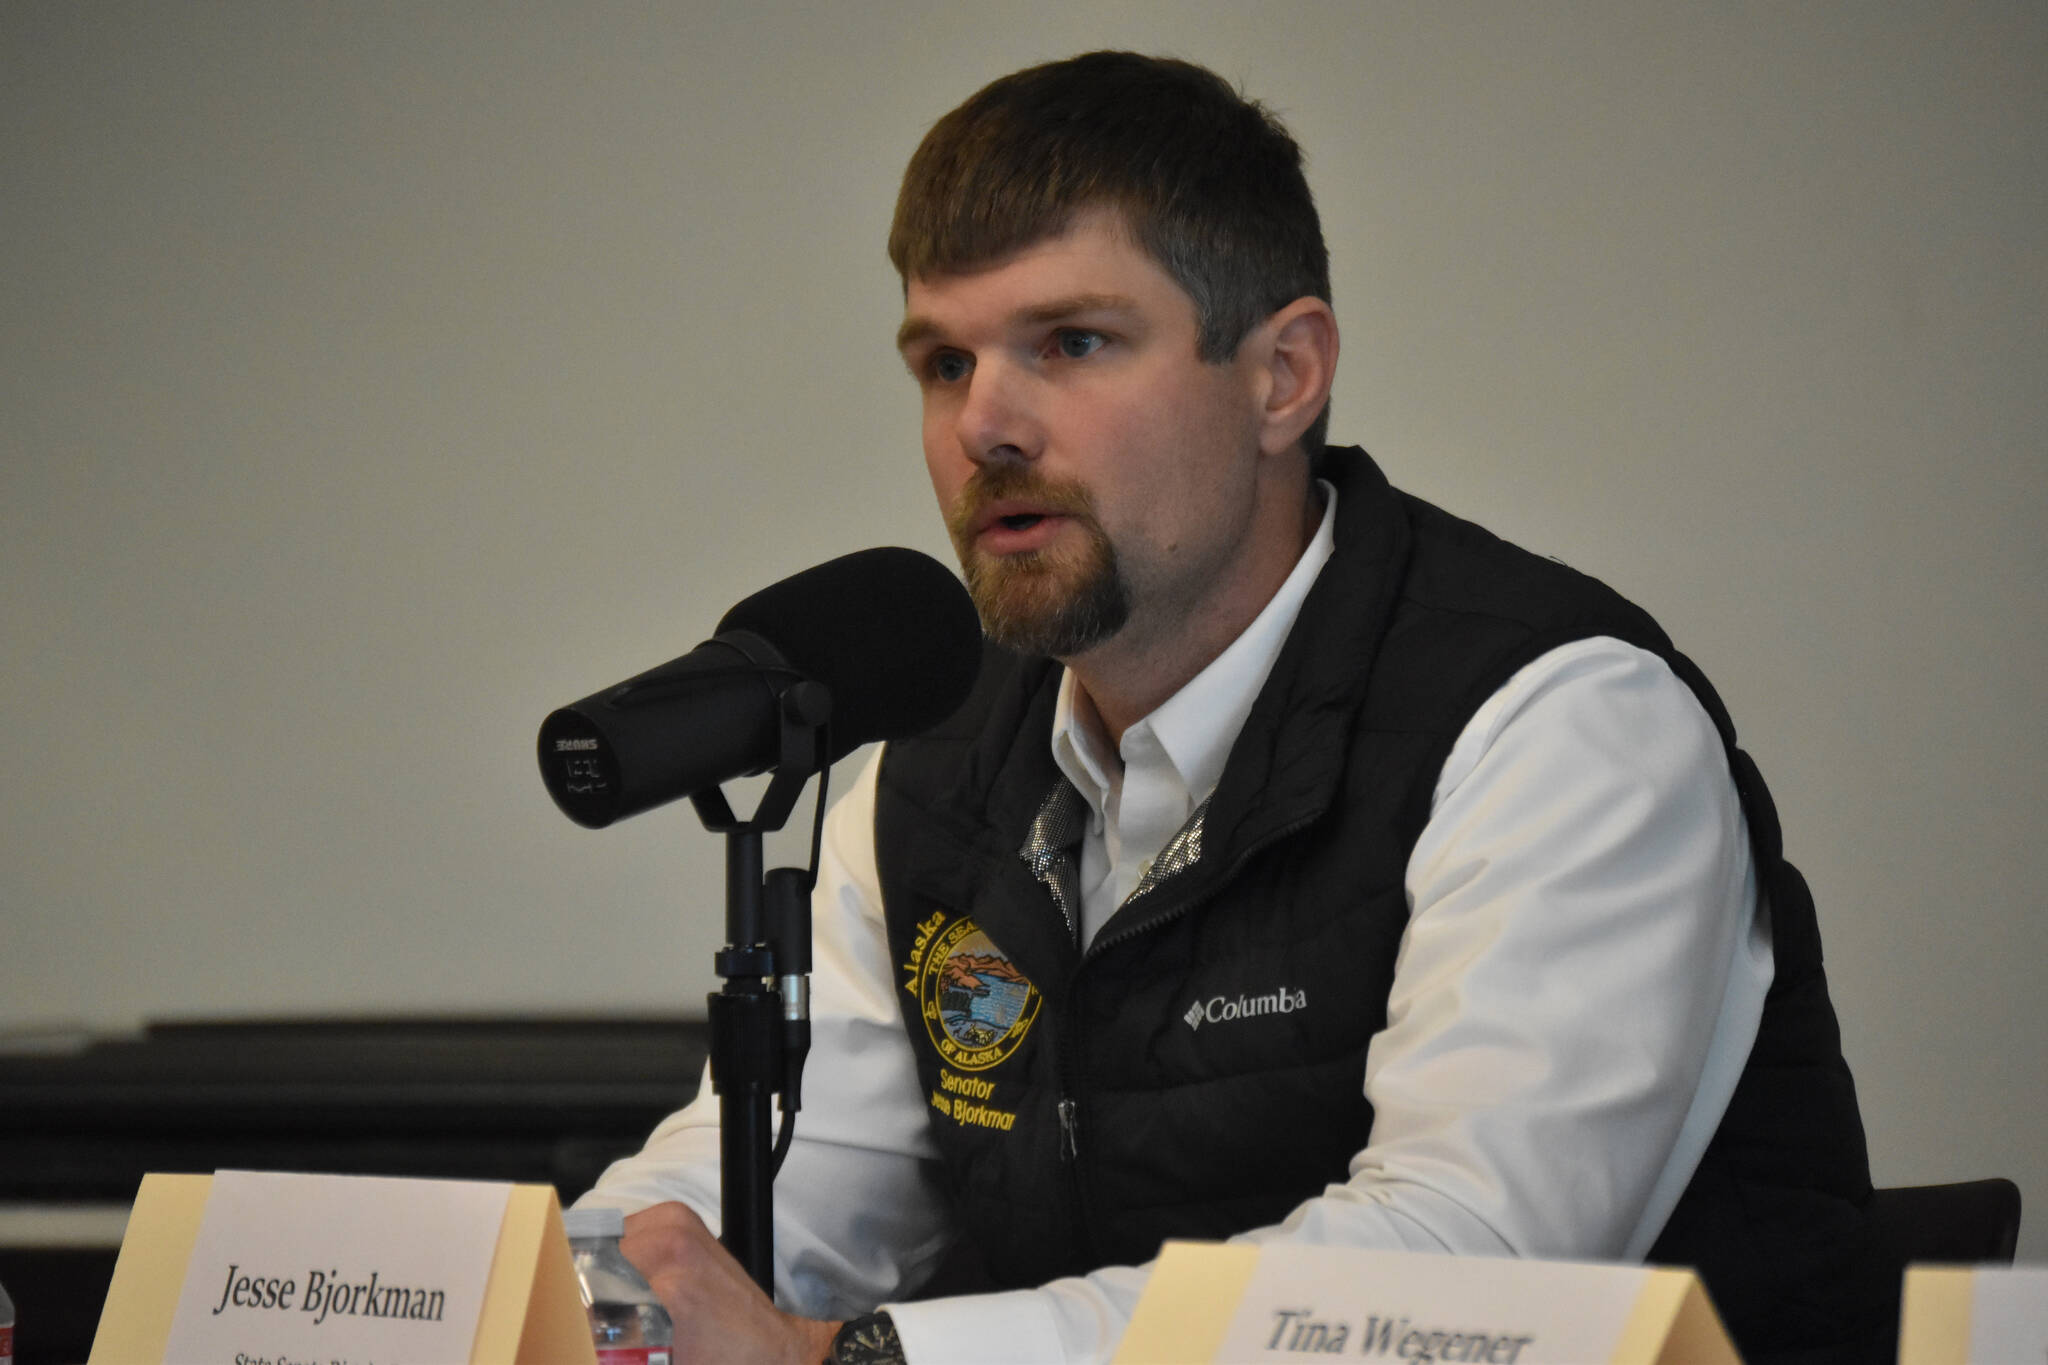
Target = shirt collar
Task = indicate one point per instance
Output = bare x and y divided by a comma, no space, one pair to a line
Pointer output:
1196,726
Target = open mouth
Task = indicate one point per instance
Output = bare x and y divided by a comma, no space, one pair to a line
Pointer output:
1015,524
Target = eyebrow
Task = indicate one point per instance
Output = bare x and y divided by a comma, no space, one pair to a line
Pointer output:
916,329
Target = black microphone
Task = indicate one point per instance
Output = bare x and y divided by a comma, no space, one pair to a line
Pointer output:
889,633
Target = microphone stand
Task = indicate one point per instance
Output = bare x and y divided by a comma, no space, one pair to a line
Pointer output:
760,1017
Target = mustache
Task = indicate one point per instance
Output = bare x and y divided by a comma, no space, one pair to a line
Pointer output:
998,483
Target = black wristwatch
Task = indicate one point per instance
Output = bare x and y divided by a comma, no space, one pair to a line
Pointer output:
866,1340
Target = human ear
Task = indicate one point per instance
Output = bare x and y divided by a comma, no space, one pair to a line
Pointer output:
1297,359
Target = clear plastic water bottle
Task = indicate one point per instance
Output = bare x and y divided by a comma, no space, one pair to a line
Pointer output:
627,1323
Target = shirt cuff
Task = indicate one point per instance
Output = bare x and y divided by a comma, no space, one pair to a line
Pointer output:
1013,1328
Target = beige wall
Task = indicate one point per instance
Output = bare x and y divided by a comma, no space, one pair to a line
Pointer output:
375,378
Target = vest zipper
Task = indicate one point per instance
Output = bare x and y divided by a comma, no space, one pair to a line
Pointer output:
1069,1105
1070,1144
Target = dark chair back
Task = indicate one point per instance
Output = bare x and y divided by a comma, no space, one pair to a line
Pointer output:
1971,1222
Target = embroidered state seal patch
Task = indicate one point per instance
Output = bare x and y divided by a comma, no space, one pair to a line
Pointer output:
977,1006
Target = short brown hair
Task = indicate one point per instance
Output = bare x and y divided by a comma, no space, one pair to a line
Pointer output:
1208,182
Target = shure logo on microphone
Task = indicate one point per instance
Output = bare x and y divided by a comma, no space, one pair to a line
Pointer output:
1221,1009
575,746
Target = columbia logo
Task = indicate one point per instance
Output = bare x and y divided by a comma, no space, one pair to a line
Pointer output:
1222,1009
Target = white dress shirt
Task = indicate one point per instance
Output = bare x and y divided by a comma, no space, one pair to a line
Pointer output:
1576,992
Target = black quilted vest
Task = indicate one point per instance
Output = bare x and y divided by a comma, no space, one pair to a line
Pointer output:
1086,1114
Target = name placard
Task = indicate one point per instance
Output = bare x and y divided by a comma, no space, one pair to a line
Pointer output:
258,1268
1955,1314
309,1267
1293,1303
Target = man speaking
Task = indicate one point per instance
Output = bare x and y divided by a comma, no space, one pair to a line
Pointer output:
1307,865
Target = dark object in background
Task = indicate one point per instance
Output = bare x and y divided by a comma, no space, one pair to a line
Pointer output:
548,1101
1973,1222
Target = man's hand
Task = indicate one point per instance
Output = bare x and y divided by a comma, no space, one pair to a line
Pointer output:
721,1316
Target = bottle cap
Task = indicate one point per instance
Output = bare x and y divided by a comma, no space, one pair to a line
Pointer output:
599,1222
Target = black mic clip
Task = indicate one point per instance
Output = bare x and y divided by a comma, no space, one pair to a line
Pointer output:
804,711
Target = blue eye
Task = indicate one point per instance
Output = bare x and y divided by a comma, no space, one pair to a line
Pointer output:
949,367
1075,344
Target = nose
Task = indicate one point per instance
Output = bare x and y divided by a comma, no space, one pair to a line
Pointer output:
997,421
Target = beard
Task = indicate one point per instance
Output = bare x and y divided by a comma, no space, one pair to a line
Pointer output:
1056,602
